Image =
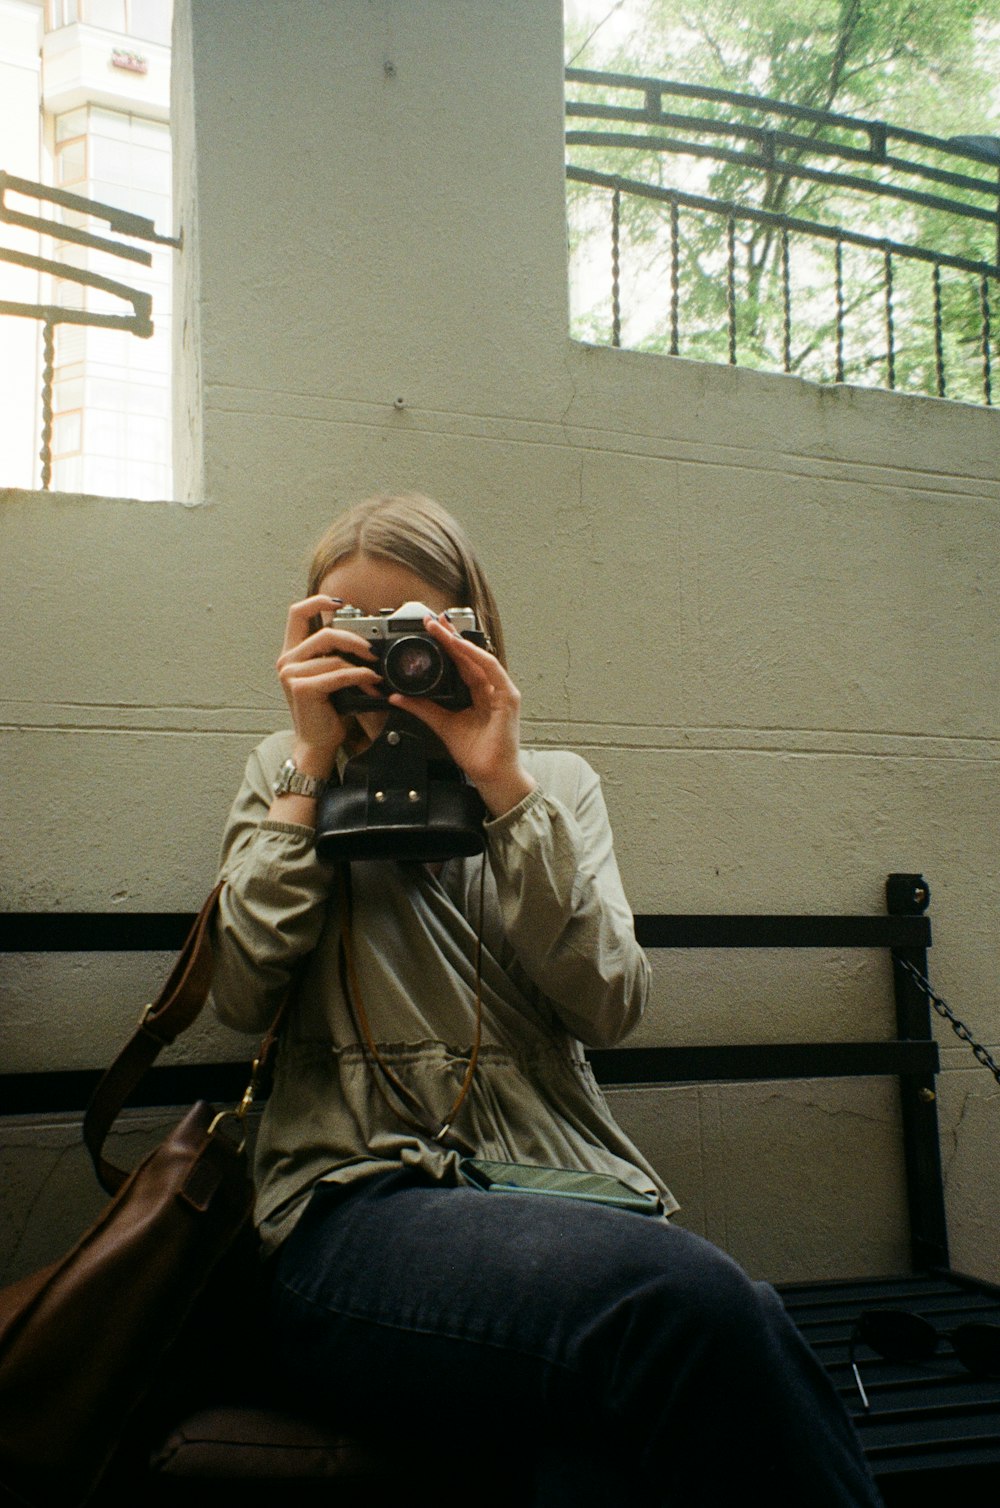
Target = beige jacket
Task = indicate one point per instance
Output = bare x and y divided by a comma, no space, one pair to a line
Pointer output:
560,967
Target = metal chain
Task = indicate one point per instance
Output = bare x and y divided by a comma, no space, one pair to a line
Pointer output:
838,265
984,304
48,374
786,300
731,286
960,1029
675,276
938,332
616,284
890,324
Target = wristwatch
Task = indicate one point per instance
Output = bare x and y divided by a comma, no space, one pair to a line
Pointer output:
292,782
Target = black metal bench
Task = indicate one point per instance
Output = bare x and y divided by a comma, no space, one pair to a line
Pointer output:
933,1429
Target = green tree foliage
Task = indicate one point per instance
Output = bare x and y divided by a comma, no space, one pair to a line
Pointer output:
930,67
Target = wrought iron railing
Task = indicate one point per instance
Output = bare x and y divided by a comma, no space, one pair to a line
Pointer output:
726,201
125,223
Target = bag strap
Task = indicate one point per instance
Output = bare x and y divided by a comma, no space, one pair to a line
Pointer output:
177,1007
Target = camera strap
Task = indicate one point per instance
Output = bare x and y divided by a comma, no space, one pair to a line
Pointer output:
385,1076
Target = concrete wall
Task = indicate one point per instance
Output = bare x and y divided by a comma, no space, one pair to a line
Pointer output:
763,610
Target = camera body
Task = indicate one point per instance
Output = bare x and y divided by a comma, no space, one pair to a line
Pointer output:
410,661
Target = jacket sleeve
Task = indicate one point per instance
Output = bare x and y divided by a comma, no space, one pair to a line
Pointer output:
274,903
564,909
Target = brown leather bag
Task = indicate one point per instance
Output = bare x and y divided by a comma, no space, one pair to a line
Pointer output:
82,1340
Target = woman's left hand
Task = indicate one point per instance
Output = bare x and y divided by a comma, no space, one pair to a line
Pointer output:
484,740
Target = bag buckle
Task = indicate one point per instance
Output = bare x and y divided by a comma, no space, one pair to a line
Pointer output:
145,1024
229,1115
250,1092
239,1115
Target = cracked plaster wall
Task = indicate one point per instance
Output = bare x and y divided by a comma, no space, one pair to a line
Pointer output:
765,611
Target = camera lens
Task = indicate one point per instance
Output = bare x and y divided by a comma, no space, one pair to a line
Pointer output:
413,666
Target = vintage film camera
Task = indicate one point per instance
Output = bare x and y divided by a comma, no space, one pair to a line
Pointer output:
403,797
410,661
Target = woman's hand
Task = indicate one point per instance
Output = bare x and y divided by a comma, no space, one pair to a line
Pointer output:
311,667
484,740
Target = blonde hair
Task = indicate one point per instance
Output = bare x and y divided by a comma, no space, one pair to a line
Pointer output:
415,532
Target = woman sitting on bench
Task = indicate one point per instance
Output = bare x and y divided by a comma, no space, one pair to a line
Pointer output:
436,1016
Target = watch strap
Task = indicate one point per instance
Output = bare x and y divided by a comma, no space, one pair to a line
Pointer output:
292,781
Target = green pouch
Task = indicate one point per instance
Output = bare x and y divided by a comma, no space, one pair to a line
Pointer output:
561,1183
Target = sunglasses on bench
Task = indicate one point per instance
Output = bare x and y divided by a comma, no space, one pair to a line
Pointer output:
898,1335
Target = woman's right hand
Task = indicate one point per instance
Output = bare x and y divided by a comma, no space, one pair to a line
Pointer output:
311,667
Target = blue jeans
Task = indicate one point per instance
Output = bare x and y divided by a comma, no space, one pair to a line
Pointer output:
626,1360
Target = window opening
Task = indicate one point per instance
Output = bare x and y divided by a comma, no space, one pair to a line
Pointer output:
86,250
814,231
87,304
